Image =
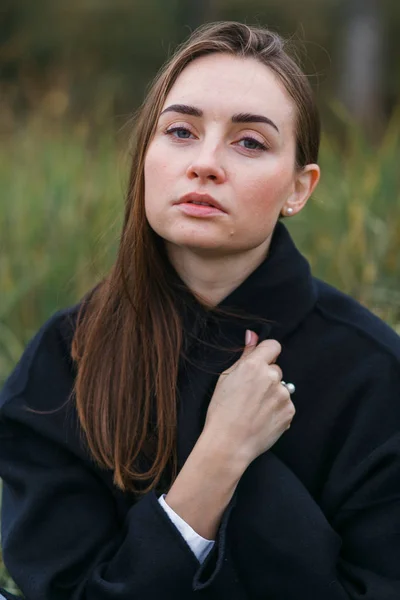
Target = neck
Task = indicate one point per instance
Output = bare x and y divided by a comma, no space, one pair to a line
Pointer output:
213,276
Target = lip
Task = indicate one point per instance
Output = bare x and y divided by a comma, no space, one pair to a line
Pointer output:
198,197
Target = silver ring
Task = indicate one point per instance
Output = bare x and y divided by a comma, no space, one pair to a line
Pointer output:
291,388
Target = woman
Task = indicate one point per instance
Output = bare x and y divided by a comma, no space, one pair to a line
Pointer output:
148,448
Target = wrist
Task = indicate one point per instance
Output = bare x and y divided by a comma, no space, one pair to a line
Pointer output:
204,487
222,457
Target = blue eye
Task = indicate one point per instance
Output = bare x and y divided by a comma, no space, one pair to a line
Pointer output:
253,144
178,131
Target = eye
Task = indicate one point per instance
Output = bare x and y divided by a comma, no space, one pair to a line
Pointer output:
182,133
252,144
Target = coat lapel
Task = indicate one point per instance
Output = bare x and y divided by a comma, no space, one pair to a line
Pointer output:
280,290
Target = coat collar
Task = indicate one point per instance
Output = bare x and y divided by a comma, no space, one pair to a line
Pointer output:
280,289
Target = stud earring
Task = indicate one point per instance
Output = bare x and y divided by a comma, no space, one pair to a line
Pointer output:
289,210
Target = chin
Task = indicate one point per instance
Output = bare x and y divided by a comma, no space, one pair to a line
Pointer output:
200,244
192,236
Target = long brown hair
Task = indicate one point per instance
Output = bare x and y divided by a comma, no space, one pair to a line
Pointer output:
128,336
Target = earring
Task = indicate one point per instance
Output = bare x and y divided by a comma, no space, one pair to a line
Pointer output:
289,210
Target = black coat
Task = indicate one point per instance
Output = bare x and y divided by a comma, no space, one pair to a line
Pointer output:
316,517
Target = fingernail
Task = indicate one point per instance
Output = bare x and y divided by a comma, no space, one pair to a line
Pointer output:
248,337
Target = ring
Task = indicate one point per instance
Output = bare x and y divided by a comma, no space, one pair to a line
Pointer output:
291,388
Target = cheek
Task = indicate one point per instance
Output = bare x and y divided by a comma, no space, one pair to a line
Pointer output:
162,161
152,175
158,177
159,182
265,192
155,167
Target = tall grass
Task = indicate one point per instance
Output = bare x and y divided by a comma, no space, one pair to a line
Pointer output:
61,202
60,210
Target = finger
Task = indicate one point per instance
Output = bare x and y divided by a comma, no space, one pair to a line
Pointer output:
276,373
270,350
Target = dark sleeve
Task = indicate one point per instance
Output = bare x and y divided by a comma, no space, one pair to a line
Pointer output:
62,537
346,546
7,595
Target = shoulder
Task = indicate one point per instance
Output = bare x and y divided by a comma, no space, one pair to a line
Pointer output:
46,362
354,360
355,324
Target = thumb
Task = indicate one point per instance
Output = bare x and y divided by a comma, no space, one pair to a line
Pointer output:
251,339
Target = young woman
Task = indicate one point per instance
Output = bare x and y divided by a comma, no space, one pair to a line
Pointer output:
149,446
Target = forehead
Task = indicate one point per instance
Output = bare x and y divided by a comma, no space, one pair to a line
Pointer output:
222,85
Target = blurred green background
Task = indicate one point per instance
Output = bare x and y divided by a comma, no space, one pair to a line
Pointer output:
71,76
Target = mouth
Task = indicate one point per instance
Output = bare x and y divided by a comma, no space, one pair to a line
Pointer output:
200,201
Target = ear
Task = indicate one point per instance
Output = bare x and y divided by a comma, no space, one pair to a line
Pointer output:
306,180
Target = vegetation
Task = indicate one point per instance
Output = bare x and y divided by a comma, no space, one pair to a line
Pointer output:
61,207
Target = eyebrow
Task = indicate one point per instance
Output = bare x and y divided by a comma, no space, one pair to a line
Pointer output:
185,109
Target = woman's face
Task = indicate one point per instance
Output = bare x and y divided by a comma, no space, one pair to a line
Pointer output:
227,129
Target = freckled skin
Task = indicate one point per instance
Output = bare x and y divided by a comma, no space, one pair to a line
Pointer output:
213,155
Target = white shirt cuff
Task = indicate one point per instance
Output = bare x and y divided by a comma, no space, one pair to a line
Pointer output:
199,545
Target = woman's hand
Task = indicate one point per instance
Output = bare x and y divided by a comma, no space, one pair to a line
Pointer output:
250,408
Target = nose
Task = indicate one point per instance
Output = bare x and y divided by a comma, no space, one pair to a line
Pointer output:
205,167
